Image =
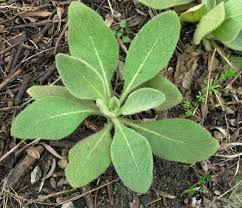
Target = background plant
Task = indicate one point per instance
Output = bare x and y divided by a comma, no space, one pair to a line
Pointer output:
57,111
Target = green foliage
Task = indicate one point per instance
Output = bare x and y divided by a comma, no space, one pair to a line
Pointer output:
164,4
213,86
209,22
172,94
229,74
141,100
188,108
200,186
200,97
123,32
86,73
222,22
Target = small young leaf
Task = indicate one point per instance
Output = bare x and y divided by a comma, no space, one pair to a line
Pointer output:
92,41
80,79
151,50
89,158
178,139
38,92
132,158
49,118
209,22
232,25
164,4
194,14
114,104
171,92
236,44
141,100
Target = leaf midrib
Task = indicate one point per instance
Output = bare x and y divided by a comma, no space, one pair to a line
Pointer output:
155,133
141,65
129,147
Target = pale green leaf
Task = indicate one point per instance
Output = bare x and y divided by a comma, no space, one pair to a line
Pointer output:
89,158
171,92
38,92
194,14
92,41
164,4
49,118
209,22
132,158
178,139
80,79
142,99
151,50
236,44
232,25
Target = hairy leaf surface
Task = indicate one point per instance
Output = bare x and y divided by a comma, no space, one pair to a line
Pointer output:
171,92
194,14
232,25
164,4
151,49
236,44
209,22
178,139
80,79
92,41
132,158
141,100
49,118
89,158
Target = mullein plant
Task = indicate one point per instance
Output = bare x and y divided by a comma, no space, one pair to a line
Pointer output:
86,73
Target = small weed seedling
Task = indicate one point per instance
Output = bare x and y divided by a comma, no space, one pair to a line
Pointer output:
228,74
123,32
217,20
57,111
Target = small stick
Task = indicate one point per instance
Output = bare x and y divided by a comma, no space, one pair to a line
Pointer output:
10,78
59,38
45,76
88,197
22,89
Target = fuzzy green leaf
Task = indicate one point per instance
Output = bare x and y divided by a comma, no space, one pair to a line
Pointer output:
132,158
232,25
178,139
164,4
80,79
194,14
236,44
92,41
49,118
171,92
142,99
209,22
89,158
151,50
38,92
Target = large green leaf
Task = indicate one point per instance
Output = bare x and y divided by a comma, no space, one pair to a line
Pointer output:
151,50
92,41
178,139
194,14
236,44
141,100
209,22
171,92
80,79
89,158
164,4
132,158
232,25
37,92
49,118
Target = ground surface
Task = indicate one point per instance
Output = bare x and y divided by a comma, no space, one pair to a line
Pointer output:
31,33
